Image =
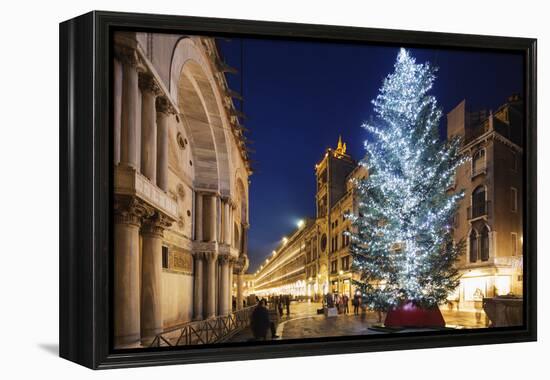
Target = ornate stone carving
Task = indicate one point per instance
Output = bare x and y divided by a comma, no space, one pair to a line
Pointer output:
156,224
182,262
225,259
241,265
129,56
130,210
164,106
199,255
210,256
148,83
180,191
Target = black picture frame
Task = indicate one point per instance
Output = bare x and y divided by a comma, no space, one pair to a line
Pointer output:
86,183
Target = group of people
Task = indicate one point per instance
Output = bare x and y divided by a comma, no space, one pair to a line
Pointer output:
341,302
281,302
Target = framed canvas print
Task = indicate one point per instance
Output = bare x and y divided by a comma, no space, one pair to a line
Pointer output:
236,190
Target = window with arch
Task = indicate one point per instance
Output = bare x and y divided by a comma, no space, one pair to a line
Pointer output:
478,202
473,246
479,163
484,240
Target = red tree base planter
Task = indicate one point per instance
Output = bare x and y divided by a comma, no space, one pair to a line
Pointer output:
410,315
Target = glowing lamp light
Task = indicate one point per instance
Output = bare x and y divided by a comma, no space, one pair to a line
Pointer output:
300,223
341,272
285,240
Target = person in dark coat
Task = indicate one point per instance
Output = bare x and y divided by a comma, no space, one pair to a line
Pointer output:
279,301
259,321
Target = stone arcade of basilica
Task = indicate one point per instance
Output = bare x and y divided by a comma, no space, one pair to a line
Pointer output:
180,186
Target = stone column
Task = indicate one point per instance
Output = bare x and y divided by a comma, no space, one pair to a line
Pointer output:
224,280
230,285
231,228
117,100
126,273
151,284
197,287
213,218
149,91
164,110
227,223
198,216
129,107
239,290
211,284
244,245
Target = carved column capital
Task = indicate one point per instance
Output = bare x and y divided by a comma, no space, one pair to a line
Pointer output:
224,259
156,224
164,106
128,56
129,210
147,82
210,256
199,256
241,264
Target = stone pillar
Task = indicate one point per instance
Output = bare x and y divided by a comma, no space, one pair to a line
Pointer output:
211,284
151,284
213,218
149,91
226,223
224,280
117,102
198,216
129,108
126,273
231,228
230,285
197,287
244,245
164,110
239,290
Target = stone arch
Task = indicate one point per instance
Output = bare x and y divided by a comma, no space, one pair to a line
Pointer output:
193,86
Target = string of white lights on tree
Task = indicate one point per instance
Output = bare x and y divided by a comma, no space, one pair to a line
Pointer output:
401,242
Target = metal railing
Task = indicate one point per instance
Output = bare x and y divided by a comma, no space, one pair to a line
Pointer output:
212,330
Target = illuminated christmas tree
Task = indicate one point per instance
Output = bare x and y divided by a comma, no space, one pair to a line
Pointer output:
402,240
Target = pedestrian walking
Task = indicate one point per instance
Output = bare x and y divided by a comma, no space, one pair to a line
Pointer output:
259,321
356,302
280,305
345,300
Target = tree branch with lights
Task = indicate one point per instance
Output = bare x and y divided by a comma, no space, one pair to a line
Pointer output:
401,241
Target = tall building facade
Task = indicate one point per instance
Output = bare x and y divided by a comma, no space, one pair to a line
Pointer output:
181,176
315,258
490,216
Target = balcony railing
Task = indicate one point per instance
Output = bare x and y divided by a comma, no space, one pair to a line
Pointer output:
479,210
129,182
213,330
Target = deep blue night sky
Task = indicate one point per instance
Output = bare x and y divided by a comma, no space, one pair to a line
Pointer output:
299,96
